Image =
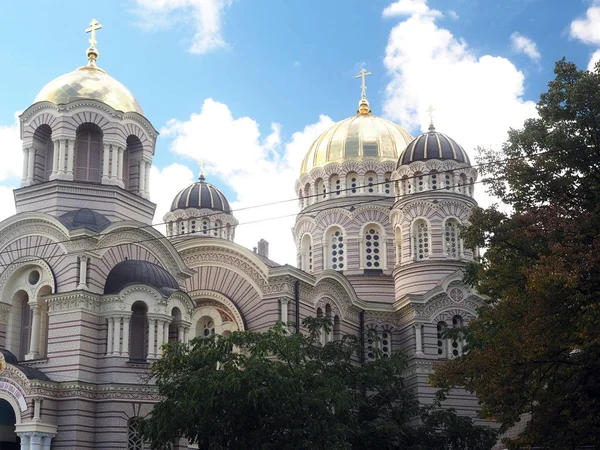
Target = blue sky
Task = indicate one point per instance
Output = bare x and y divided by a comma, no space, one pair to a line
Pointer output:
279,72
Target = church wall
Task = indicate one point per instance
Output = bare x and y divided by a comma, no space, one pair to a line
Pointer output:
76,422
379,289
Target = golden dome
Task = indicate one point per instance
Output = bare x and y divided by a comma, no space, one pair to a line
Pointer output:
89,83
360,137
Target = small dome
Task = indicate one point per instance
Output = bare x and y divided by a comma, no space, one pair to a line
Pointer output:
201,195
433,145
84,218
89,83
359,137
134,271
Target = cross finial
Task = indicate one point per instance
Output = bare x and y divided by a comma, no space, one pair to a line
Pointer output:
92,52
363,105
430,111
201,164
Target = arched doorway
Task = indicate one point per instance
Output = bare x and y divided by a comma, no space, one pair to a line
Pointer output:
8,438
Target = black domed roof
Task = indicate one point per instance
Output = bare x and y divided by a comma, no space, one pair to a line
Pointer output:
201,195
135,271
84,217
432,145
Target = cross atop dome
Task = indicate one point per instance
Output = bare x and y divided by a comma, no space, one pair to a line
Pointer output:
92,52
363,105
430,111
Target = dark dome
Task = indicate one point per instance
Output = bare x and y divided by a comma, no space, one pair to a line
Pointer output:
85,218
135,271
433,145
201,195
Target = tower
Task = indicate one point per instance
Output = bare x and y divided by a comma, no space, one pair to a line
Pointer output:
87,143
345,193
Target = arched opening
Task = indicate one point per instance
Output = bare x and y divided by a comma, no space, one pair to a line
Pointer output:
8,438
387,187
421,244
449,180
451,239
321,188
336,329
371,344
433,179
371,186
42,338
386,343
218,229
138,343
205,327
441,344
463,183
334,254
131,164
18,336
88,153
306,258
352,183
373,251
336,184
456,344
175,326
419,181
44,154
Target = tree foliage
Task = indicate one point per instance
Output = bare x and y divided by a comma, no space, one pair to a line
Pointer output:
535,347
276,390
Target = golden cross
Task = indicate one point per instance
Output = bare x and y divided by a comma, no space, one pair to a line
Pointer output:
94,25
430,111
363,73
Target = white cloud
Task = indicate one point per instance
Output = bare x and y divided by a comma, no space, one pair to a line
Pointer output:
164,186
587,29
522,44
453,14
258,170
7,202
12,154
477,99
205,16
409,8
593,60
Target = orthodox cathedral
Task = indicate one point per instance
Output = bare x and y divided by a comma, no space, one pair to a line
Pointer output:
90,290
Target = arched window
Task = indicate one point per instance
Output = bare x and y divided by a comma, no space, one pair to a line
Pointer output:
307,195
419,181
373,248
205,327
463,183
335,250
328,315
205,225
134,439
398,244
387,187
21,301
321,189
337,335
138,343
433,179
371,183
306,258
408,184
456,344
336,184
175,326
386,343
88,153
352,183
451,239
131,166
421,244
44,154
449,181
218,228
441,342
371,344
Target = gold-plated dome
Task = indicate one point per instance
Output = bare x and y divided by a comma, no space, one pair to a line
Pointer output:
360,137
89,83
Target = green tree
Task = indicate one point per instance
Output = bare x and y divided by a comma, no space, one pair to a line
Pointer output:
276,390
535,347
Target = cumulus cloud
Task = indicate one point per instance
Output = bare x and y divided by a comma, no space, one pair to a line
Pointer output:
477,99
12,154
410,7
257,169
587,29
165,184
7,202
522,44
593,60
205,17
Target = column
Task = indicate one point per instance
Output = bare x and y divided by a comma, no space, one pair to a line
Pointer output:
449,351
159,338
83,261
114,162
125,349
109,340
35,442
284,310
61,157
24,440
455,182
55,155
166,332
180,333
151,338
37,407
147,180
46,441
31,165
70,143
106,164
34,343
418,338
141,178
116,336
186,334
121,150
24,177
